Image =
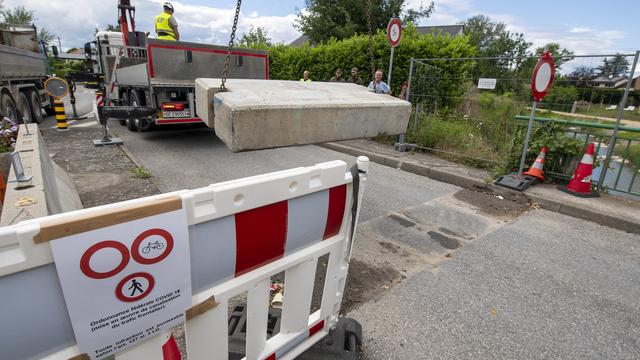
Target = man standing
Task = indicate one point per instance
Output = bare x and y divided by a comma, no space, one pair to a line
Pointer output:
167,25
338,77
378,86
305,76
355,79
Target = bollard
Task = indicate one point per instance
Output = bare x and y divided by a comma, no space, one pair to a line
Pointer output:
61,116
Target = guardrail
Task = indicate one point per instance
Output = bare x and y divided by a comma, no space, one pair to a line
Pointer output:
622,174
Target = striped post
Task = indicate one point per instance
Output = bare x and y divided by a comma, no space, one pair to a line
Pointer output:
61,116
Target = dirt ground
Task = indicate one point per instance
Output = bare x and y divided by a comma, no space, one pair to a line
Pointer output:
102,175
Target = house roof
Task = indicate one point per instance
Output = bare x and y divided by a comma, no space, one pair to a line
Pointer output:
606,79
451,30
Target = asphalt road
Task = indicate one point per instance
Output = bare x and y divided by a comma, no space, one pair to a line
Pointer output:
444,273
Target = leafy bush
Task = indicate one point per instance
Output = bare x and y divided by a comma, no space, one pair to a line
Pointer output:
562,148
288,62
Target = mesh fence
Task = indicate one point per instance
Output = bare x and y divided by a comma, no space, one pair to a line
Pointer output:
467,108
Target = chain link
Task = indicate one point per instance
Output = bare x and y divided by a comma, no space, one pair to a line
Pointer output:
371,52
225,73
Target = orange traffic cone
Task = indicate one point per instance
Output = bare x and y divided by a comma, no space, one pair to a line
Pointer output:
536,169
580,184
170,349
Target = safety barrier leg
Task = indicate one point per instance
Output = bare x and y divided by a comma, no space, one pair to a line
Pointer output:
297,297
150,349
61,116
257,315
199,330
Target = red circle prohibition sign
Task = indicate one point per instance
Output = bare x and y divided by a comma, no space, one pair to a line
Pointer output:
135,248
543,76
124,281
394,23
86,269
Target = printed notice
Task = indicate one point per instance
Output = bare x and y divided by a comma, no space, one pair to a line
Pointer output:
487,84
125,283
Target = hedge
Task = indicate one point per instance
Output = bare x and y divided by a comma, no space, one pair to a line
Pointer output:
288,62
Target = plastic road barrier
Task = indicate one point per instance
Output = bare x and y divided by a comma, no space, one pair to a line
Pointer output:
227,239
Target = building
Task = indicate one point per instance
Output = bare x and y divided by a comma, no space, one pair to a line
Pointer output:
451,30
611,82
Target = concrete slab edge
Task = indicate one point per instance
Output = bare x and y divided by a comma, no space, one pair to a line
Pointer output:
50,190
592,215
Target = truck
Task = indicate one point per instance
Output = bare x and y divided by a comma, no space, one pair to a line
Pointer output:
159,75
23,72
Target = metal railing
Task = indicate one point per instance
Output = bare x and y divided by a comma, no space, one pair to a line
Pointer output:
621,176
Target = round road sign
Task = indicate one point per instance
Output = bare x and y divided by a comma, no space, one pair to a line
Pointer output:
394,32
85,261
542,78
56,87
154,250
135,287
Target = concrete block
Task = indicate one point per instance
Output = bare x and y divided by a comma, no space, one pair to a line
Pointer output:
259,114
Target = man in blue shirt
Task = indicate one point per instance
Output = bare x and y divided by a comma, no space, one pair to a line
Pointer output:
378,86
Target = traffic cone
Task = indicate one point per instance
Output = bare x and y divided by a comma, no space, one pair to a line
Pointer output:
170,349
580,184
536,169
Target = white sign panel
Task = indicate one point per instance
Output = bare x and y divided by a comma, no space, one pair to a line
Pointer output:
487,84
125,283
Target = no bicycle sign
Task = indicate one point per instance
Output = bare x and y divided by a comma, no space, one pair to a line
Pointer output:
125,281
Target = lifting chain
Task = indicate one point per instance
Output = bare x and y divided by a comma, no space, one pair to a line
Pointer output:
225,73
371,53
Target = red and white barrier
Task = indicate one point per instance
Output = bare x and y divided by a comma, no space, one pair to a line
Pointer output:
241,233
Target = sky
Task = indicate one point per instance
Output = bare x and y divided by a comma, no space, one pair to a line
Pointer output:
583,26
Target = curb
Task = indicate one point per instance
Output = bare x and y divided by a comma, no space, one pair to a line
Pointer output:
597,217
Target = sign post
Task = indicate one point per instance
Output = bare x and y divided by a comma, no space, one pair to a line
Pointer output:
541,82
394,34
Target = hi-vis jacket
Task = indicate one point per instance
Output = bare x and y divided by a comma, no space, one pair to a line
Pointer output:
163,28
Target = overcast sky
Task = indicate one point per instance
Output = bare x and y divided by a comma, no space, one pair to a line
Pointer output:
584,26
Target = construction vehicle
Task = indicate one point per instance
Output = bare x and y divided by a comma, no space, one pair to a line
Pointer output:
146,76
23,71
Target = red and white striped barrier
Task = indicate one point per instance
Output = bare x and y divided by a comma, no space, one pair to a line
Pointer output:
241,233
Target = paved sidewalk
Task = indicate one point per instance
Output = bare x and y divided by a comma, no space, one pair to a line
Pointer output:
612,211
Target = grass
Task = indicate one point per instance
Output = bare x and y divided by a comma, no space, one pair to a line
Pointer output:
599,111
140,173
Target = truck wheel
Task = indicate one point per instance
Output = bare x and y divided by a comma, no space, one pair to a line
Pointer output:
138,124
49,110
8,107
25,108
36,105
126,102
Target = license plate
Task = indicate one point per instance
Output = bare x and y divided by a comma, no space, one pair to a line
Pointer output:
176,114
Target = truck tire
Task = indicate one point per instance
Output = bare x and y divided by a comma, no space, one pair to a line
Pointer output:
125,101
24,107
36,105
139,125
49,110
8,107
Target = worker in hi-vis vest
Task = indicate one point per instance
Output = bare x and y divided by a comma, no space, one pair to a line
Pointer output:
166,24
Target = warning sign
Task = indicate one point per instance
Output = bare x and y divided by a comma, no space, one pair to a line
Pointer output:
126,282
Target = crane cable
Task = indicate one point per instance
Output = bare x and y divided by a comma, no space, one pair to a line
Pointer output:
225,73
371,51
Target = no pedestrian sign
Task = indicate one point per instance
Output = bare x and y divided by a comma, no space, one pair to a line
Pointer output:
126,282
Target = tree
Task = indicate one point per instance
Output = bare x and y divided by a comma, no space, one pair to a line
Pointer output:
18,16
617,66
256,38
46,36
506,49
341,19
582,75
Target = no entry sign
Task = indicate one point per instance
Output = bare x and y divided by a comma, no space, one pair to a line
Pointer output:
127,281
542,78
394,32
